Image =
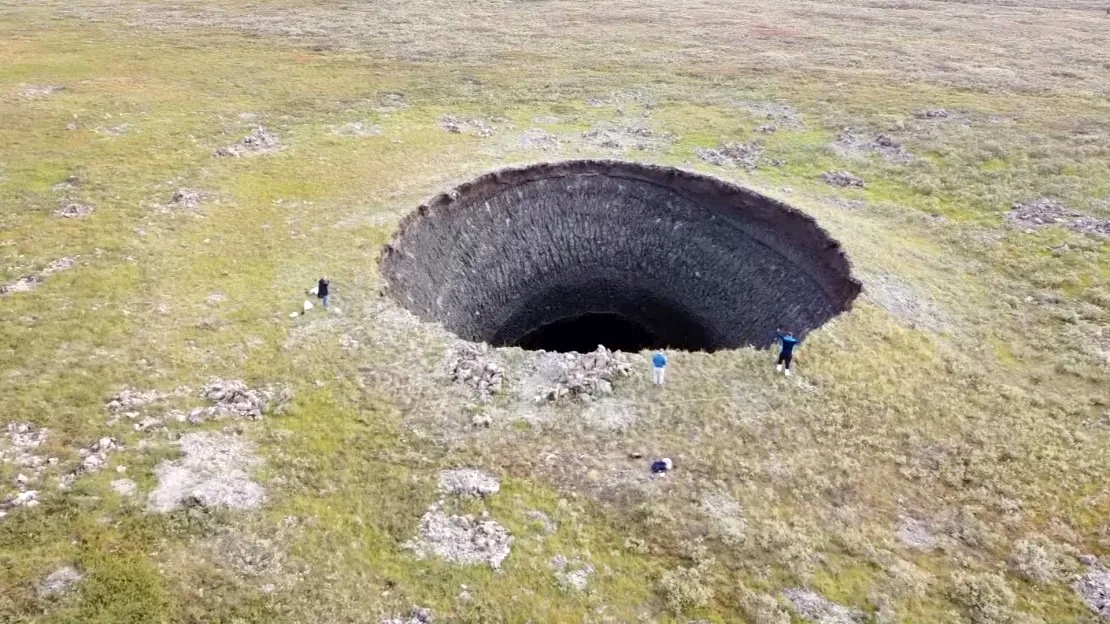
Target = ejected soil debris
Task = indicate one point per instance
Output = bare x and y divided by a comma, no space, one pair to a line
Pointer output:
781,115
853,142
842,179
215,472
815,608
468,482
460,539
571,575
587,375
933,113
59,582
74,210
184,199
1093,588
32,281
19,448
258,142
1044,212
476,126
538,139
471,364
744,155
357,129
621,137
95,457
235,399
418,615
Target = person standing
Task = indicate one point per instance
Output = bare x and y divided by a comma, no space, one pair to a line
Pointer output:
658,368
322,292
786,353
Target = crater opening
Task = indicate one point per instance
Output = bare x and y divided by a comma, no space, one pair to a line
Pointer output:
566,256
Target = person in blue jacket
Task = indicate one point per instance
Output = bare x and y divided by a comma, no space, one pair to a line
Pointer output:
658,367
786,354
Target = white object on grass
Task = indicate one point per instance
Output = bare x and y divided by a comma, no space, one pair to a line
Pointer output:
307,305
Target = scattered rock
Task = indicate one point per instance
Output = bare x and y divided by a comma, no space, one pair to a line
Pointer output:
184,199
28,498
915,534
608,135
74,211
30,282
461,540
468,481
125,487
470,364
132,400
841,179
850,142
18,448
59,582
767,129
215,472
813,607
745,155
571,575
1093,588
357,129
587,375
782,115
1045,212
259,141
95,457
477,127
538,139
418,615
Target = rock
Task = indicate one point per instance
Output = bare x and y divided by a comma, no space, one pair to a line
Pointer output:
471,364
1094,589
852,142
258,142
842,179
468,481
1045,212
812,607
418,615
588,375
477,127
59,582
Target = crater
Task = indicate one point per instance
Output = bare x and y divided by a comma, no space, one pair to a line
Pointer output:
565,256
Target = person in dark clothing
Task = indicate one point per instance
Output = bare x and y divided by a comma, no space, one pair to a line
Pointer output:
322,291
786,353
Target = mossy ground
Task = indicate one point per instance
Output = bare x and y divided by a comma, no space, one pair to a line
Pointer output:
993,421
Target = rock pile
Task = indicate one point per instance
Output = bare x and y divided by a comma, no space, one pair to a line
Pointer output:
588,375
1094,587
259,141
237,400
745,155
30,282
96,456
842,179
1045,212
18,448
461,539
28,498
814,607
470,365
627,137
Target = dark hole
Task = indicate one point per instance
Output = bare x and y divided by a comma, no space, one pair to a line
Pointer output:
583,334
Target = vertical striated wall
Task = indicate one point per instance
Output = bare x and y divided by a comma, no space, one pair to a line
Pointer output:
698,262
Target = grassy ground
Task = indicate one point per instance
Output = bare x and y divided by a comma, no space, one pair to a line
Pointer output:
968,388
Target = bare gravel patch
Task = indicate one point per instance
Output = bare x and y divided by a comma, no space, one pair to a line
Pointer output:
215,472
32,281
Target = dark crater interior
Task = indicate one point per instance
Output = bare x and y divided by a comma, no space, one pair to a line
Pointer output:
566,256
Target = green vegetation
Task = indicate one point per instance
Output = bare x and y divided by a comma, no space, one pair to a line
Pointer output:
968,388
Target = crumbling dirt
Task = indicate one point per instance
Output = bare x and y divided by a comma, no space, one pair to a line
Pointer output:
585,376
744,155
1045,212
852,142
473,365
214,473
258,142
74,210
842,179
468,482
